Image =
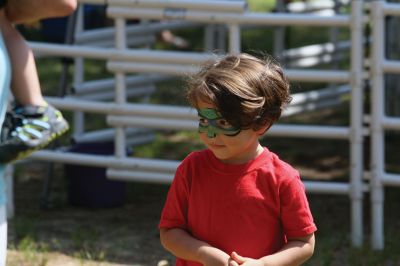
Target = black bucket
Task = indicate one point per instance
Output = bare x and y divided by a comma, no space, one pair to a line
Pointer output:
87,185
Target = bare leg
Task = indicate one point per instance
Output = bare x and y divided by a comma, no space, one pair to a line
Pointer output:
25,84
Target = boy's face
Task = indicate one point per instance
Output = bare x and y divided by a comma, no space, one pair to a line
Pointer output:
229,144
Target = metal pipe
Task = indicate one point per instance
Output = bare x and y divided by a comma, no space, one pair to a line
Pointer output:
377,134
315,75
135,55
106,134
390,9
390,123
110,95
391,179
356,123
327,187
137,41
312,106
107,161
391,66
234,39
94,35
93,86
140,176
159,68
204,5
120,88
248,18
132,109
308,131
317,95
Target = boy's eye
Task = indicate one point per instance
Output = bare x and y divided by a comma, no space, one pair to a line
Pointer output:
203,121
223,123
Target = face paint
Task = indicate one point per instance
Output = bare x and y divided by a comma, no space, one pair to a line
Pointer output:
212,123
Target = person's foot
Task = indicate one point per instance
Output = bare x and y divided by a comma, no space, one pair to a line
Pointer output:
29,128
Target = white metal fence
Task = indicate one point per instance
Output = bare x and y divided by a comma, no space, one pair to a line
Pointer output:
380,122
122,60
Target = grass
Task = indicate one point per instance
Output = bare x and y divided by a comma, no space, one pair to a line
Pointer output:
94,237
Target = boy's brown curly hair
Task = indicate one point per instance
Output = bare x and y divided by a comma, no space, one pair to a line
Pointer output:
247,91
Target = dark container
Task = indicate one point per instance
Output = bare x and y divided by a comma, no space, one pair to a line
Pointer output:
87,185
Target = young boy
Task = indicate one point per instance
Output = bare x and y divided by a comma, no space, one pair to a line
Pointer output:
236,202
33,123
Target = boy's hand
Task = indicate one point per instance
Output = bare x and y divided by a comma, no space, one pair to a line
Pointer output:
214,257
236,260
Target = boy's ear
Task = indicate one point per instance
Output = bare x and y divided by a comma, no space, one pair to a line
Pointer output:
261,131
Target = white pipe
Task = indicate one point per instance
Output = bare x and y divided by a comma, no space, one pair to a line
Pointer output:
137,41
391,9
308,131
298,7
166,178
377,134
9,183
234,39
110,95
327,187
107,161
315,50
152,122
311,106
138,109
140,176
390,123
248,18
391,179
308,62
151,68
120,88
356,124
141,55
94,35
106,134
317,95
140,140
78,117
203,5
391,66
89,87
314,75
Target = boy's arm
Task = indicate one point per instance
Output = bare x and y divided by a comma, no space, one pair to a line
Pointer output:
183,245
295,252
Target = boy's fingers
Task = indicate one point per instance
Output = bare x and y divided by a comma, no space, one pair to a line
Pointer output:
232,263
236,257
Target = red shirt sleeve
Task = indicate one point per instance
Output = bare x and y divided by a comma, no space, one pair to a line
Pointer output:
297,220
174,214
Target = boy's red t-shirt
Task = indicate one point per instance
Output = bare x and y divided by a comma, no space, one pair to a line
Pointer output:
249,208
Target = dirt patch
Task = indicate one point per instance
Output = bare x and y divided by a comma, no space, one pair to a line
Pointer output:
69,235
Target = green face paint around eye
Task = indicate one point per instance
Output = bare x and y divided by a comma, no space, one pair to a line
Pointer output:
211,123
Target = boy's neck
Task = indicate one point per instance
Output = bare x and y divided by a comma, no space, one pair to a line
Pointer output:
251,155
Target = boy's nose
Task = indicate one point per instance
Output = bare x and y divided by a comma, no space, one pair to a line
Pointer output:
211,132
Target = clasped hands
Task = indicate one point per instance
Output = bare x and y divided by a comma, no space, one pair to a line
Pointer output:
223,259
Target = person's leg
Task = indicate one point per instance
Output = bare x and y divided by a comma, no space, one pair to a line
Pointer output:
32,124
25,83
4,88
20,11
3,234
